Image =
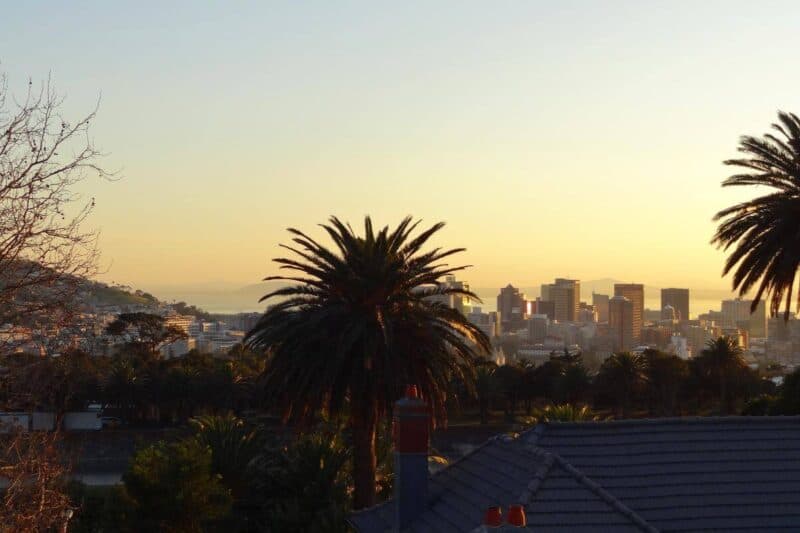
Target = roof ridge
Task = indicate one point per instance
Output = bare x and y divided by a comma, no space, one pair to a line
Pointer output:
678,420
547,460
606,496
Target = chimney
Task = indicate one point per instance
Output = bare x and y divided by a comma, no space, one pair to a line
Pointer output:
411,439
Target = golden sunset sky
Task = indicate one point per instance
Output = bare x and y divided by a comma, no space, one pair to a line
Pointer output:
579,139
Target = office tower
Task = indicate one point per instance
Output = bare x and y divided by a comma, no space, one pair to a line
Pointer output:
736,313
635,293
600,302
565,295
668,312
511,305
543,307
678,299
537,328
456,301
621,323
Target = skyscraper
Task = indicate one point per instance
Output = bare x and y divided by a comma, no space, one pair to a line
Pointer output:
511,305
621,323
456,301
678,299
635,293
736,312
600,302
565,295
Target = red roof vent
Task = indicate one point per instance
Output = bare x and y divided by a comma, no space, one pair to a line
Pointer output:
494,517
516,516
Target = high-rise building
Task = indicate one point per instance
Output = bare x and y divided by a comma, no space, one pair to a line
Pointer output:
635,293
736,313
537,328
678,299
543,307
600,302
456,301
565,295
511,305
621,323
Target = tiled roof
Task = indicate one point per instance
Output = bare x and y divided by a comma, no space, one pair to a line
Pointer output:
691,474
688,474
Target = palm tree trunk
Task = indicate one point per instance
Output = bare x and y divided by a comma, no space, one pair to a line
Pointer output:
364,459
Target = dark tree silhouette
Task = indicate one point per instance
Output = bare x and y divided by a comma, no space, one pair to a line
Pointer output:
622,375
721,362
763,231
360,323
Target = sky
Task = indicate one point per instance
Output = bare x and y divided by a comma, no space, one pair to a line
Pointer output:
579,139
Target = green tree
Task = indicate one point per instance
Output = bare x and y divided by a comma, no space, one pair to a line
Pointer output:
358,325
484,387
721,364
302,486
145,331
788,402
666,376
508,380
233,445
763,231
173,489
622,376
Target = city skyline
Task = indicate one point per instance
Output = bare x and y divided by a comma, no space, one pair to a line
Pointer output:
230,124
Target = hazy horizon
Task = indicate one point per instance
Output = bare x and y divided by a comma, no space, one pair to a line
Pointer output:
227,298
576,139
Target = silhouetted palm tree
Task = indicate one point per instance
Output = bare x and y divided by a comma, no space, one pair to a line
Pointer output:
358,325
623,375
722,362
764,229
666,376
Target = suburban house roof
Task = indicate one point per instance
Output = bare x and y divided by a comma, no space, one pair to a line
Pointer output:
677,474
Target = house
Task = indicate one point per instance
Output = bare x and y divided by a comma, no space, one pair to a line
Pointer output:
678,474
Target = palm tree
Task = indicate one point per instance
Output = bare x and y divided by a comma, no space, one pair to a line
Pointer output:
722,361
764,229
484,386
623,374
359,323
666,376
233,446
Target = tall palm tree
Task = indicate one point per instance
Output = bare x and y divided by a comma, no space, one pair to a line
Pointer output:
358,324
722,361
623,375
764,230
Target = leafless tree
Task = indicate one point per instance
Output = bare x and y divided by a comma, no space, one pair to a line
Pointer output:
46,255
34,473
45,251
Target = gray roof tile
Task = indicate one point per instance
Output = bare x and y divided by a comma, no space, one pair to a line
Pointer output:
690,474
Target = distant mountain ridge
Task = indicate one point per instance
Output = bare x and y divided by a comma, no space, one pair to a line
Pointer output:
231,298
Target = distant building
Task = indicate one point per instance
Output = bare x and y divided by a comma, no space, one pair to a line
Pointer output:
543,307
621,323
511,305
565,295
678,299
456,301
736,313
600,303
634,292
489,323
537,328
680,346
